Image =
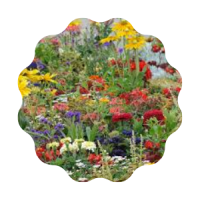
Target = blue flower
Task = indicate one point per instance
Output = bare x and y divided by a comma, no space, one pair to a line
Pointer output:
118,152
33,65
127,133
115,140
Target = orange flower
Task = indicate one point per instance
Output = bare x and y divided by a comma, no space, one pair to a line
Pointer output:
61,106
94,77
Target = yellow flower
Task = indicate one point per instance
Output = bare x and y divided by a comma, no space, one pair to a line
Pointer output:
32,75
35,89
109,39
52,145
48,78
53,91
76,22
66,140
136,42
22,85
104,100
127,33
122,26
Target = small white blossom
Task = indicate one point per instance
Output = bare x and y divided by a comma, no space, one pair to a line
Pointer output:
80,165
69,173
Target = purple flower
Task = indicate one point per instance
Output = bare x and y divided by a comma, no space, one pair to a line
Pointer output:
58,126
127,133
33,65
106,44
44,120
46,132
68,63
120,50
118,152
74,115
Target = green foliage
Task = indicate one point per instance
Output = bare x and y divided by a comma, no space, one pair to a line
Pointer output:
173,119
22,119
91,133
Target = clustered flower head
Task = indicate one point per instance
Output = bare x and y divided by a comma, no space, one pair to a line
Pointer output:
158,114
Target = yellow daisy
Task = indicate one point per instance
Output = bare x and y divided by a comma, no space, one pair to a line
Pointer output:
76,22
48,78
109,39
22,85
136,42
122,26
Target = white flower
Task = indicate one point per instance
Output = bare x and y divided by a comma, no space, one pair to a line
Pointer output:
96,166
61,51
80,165
88,145
63,149
69,172
73,147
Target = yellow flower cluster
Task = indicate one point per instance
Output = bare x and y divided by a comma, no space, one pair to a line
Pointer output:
123,29
22,85
33,76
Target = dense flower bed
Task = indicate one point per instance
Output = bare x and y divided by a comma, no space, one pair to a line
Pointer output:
99,100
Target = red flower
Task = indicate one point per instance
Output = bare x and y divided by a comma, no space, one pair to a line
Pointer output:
95,159
121,117
39,152
155,48
142,64
148,144
82,90
157,146
169,70
166,92
59,92
158,114
178,89
50,155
